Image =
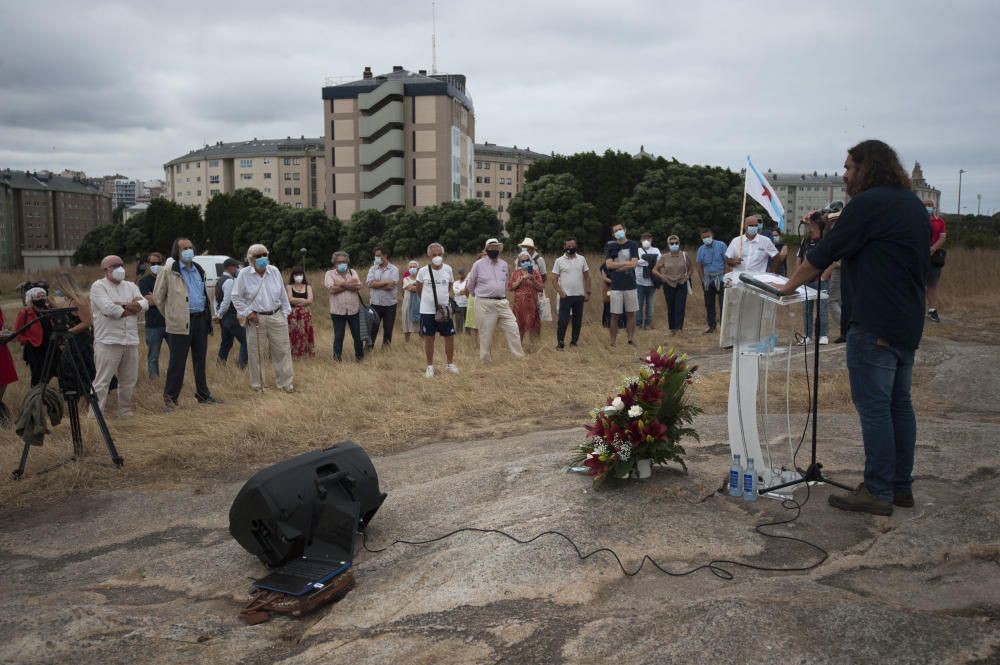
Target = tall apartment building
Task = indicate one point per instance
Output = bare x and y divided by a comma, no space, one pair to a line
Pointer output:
499,173
290,171
125,193
48,217
801,193
395,141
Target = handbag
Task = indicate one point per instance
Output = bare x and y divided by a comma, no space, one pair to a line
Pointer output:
368,321
544,308
442,313
938,257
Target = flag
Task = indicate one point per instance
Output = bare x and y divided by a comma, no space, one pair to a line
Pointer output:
759,189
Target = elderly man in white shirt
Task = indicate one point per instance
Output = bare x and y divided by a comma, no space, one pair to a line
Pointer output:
115,304
752,251
261,301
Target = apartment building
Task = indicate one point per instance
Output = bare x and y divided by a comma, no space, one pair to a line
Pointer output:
290,171
499,173
46,218
400,140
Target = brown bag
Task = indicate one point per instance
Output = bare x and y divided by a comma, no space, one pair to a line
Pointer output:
263,602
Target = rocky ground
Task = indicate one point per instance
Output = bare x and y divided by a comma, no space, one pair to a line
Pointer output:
150,574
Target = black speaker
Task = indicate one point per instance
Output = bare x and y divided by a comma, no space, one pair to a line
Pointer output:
273,514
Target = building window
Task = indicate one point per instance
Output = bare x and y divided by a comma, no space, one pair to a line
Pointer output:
187,167
246,163
479,178
198,165
486,180
198,179
267,162
199,192
479,194
178,168
213,180
267,190
486,194
246,176
486,165
298,205
297,191
267,175
288,176
213,192
213,164
296,176
479,165
288,191
509,167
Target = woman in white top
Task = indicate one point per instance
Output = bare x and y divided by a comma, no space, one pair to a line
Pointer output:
411,301
461,301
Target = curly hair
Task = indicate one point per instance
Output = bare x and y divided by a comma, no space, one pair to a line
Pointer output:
879,166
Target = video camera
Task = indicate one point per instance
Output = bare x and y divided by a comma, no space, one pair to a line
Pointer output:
24,287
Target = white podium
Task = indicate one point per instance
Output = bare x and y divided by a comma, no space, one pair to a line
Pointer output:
749,321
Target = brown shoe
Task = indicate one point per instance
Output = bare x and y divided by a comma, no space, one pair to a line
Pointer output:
861,501
903,498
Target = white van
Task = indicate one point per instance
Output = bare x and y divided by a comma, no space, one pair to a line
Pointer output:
212,265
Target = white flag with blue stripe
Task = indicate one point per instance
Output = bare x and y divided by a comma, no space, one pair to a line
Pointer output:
759,189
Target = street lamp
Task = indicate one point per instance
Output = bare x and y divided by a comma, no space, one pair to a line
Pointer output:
960,172
979,204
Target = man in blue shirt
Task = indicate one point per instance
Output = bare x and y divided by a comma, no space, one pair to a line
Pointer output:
883,244
711,260
621,256
183,300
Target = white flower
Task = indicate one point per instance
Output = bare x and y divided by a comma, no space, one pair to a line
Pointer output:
617,404
635,411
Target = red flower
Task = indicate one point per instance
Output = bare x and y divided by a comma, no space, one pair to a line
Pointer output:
596,466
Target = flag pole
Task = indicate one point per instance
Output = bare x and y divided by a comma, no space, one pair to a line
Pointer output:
743,211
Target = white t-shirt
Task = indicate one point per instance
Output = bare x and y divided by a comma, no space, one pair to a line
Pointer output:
460,300
442,280
646,263
571,272
757,253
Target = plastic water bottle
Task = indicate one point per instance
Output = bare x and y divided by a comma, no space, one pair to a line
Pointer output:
735,473
749,482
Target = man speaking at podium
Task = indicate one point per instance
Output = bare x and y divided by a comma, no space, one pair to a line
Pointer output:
883,243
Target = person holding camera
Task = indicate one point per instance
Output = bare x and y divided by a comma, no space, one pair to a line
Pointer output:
816,225
115,304
434,285
35,338
526,283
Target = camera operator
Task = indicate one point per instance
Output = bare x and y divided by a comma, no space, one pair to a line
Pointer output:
815,227
35,338
116,304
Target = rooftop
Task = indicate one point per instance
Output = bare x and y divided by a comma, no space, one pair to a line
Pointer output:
251,148
814,178
504,151
45,181
416,84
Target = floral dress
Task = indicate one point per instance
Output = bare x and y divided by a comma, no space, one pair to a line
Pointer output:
300,328
526,300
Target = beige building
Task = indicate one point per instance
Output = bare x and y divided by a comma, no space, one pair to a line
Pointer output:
499,173
801,193
290,171
395,141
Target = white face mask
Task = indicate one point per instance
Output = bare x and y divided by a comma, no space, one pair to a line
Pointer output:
646,244
118,274
437,260
298,278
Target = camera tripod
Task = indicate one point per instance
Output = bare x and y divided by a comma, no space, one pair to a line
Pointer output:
63,342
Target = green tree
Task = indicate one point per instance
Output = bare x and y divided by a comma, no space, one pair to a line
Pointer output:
285,230
164,220
224,214
118,214
362,233
551,209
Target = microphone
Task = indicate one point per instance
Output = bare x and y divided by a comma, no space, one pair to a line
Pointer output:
756,283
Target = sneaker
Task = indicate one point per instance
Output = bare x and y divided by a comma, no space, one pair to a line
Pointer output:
169,404
288,389
861,501
631,342
453,368
823,339
429,373
903,498
933,316
209,400
560,346
804,341
708,331
572,343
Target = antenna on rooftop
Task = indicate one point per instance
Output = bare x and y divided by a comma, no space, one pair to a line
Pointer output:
434,57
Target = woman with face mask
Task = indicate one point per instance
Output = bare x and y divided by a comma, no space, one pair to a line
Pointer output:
35,338
526,283
674,270
300,327
344,284
411,301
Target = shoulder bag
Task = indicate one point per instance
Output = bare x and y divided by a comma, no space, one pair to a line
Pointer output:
442,313
938,258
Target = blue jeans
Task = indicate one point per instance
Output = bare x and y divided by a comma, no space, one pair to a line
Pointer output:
676,297
340,322
809,314
644,317
154,340
880,376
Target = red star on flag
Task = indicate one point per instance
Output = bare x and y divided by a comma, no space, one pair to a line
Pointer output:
766,193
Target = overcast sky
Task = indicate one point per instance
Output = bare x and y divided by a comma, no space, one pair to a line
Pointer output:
125,87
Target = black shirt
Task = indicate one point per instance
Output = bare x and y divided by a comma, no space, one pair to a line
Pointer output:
883,242
621,280
154,319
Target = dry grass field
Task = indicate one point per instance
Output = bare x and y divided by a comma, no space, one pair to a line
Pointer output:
386,404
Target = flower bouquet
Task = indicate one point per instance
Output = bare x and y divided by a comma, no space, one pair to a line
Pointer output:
645,419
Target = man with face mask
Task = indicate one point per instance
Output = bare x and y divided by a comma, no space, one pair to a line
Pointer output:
646,283
115,305
156,325
621,256
753,251
571,279
181,295
488,283
226,315
262,303
434,285
711,261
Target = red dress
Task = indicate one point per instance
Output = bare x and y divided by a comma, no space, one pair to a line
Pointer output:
526,301
300,328
7,372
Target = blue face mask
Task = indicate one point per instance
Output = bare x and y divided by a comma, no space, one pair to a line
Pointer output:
620,234
930,211
675,248
525,264
378,260
341,267
751,231
261,262
187,255
707,241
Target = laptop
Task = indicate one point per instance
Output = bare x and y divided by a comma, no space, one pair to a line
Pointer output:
328,552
